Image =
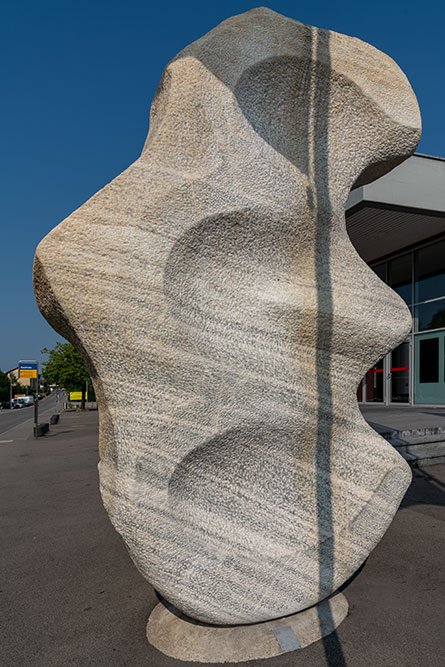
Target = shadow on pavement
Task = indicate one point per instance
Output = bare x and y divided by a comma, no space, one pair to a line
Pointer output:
425,489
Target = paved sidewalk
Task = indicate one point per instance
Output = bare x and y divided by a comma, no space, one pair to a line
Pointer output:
417,433
71,597
404,418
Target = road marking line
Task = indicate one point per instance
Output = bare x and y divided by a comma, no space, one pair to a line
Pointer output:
2,441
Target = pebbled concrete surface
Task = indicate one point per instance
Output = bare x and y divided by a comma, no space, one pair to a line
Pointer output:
70,595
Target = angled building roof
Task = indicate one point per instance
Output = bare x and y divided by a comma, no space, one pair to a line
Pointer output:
399,210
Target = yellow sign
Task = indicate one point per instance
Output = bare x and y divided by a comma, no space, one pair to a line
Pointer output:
25,373
76,396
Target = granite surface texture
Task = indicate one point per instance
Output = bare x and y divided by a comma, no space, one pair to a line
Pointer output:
226,319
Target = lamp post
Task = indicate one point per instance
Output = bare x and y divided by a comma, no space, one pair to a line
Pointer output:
36,414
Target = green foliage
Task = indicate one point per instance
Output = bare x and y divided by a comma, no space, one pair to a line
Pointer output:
17,388
65,367
91,392
4,387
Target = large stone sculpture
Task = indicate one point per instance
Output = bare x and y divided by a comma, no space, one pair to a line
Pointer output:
226,319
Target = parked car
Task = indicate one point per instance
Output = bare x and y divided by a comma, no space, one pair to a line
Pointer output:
14,405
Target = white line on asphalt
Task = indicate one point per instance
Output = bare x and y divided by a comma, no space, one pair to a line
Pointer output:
2,441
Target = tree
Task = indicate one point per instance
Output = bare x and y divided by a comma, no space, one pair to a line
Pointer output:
66,368
17,388
4,387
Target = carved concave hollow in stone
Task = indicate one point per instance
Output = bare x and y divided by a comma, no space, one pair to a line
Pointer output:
230,305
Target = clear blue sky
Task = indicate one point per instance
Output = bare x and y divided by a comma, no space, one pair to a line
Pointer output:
78,78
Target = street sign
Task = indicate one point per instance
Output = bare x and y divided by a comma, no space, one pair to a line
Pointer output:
28,369
77,396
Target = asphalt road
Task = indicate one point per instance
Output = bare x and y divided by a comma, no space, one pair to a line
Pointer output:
11,418
70,595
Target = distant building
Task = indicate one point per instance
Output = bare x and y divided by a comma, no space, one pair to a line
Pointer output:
25,382
397,225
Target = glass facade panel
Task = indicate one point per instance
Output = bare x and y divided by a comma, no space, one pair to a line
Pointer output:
429,360
429,376
418,276
400,373
399,276
374,383
430,315
429,265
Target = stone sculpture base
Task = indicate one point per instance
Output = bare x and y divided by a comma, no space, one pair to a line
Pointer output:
180,637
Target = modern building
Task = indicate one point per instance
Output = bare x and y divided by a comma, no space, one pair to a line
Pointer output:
397,225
